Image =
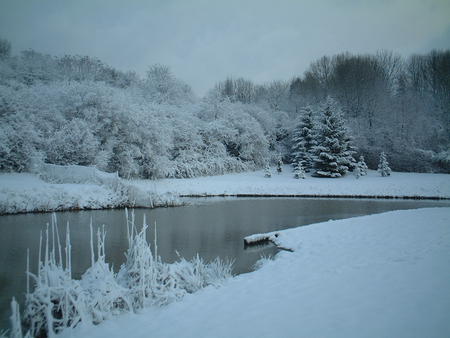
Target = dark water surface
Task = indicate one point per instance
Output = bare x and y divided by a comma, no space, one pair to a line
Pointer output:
211,227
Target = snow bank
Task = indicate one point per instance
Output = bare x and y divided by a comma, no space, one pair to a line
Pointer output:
384,275
284,184
27,192
76,174
75,187
55,188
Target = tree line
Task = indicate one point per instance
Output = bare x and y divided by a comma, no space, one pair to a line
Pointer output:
78,110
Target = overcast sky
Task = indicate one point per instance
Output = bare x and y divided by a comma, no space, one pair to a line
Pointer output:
206,41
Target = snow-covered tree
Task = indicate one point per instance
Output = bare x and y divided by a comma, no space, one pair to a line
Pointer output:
267,172
357,172
162,87
5,48
304,140
383,165
74,143
299,172
362,166
333,154
279,166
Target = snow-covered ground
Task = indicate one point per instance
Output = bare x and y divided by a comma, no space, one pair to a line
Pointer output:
398,184
28,192
384,275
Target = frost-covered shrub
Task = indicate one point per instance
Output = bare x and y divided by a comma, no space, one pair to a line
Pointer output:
104,296
152,282
57,301
74,143
129,131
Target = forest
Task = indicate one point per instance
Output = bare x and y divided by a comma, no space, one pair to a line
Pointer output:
78,110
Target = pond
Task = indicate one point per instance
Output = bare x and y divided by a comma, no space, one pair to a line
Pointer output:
210,227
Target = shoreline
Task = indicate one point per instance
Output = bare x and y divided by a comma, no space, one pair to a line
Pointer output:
22,193
174,205
389,197
380,279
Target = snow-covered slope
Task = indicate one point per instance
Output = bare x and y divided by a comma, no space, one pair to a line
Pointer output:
385,275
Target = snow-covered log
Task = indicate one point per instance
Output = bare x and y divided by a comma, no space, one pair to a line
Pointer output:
258,239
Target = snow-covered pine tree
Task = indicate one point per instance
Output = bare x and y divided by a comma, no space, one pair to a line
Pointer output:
299,172
279,165
362,166
334,152
357,172
304,140
351,149
267,172
383,165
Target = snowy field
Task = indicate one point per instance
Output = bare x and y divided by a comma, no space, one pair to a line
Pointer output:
254,183
28,192
384,275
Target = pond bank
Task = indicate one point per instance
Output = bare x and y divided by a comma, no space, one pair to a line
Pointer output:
28,193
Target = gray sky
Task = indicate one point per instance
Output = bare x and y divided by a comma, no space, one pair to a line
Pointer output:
206,41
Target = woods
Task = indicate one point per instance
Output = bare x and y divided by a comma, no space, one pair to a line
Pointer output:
78,110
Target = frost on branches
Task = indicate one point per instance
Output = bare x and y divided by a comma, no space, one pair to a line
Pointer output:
383,165
57,301
304,140
334,152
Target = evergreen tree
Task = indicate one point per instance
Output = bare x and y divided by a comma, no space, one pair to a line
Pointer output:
362,166
299,172
279,166
357,172
383,166
334,152
267,172
304,140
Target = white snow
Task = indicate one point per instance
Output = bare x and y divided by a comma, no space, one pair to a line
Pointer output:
398,184
27,192
384,275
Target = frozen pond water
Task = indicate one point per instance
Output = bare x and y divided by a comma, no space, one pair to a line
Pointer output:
210,227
